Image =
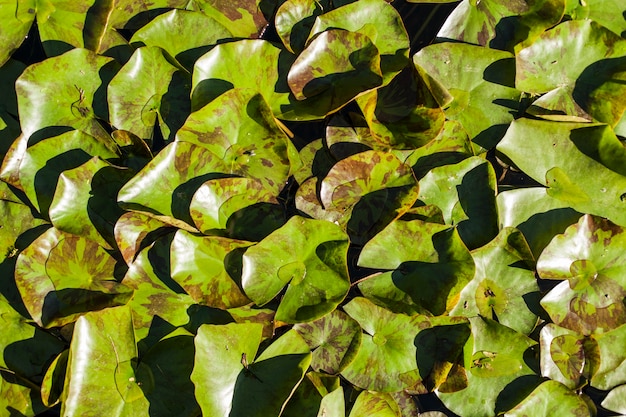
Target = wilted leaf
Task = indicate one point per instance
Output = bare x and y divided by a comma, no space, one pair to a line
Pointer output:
310,258
334,340
62,276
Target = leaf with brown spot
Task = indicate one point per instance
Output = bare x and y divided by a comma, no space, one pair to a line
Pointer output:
243,18
134,231
62,276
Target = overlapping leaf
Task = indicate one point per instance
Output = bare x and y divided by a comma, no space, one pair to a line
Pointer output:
307,256
244,18
150,92
612,369
294,20
563,356
551,397
578,162
209,269
417,251
232,381
62,276
483,88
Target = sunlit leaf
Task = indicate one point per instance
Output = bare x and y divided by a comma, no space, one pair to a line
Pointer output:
150,92
504,287
133,231
294,20
17,19
562,355
209,269
601,11
417,251
578,162
62,276
232,381
334,340
184,34
309,258
616,400
385,362
244,18
612,369
551,398
375,404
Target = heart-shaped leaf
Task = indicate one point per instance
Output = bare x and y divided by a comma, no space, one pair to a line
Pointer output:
150,92
563,357
385,362
579,166
62,276
334,340
417,251
551,398
220,259
309,257
231,382
504,287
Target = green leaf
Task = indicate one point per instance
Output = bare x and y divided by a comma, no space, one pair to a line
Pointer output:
417,251
84,202
133,231
385,362
602,12
36,169
219,200
220,260
375,404
466,194
616,400
103,364
67,90
563,356
402,114
165,186
486,81
244,18
551,398
16,19
184,34
239,128
498,373
222,68
231,382
334,340
501,25
309,257
504,286
377,20
294,20
578,163
19,395
536,214
611,371
62,276
151,91
352,178
334,68
16,219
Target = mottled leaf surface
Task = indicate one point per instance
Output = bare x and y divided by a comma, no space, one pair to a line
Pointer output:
307,256
551,398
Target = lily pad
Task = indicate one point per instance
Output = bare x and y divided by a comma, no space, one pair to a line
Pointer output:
501,25
612,369
310,258
377,20
601,11
334,68
385,362
65,91
374,404
334,340
219,259
616,400
244,18
578,163
504,287
151,91
16,24
417,251
563,356
229,376
466,194
551,398
239,128
294,20
483,89
184,34
499,374
133,231
62,276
